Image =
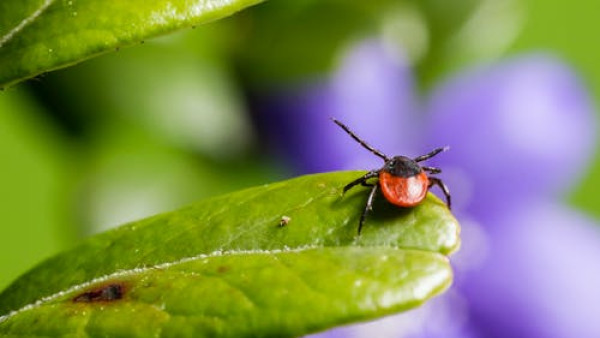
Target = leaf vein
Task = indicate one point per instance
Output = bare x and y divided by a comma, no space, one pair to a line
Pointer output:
26,21
299,277
128,272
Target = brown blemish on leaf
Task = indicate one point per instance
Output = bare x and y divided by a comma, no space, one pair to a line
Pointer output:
104,293
222,269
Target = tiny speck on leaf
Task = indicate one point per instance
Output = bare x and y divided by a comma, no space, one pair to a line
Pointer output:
284,221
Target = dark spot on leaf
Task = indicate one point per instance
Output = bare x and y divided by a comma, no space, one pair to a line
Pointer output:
222,269
105,293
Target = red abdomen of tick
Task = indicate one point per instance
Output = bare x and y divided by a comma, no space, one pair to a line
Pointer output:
403,191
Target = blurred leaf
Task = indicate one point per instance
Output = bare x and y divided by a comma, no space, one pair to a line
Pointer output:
165,144
303,34
569,40
189,99
225,266
445,20
41,35
35,177
428,32
130,174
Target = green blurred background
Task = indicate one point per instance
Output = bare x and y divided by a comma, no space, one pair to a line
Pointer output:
156,126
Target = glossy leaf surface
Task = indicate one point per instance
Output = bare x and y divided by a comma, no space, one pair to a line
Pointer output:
281,259
37,36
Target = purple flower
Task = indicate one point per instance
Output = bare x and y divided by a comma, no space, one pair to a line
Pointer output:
296,122
520,133
540,277
518,130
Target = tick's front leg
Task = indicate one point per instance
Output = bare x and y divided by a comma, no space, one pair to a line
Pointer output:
362,180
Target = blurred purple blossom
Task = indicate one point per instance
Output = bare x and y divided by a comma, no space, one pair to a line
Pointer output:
540,277
519,130
362,92
520,133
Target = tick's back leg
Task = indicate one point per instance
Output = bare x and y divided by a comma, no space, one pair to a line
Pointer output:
436,181
368,207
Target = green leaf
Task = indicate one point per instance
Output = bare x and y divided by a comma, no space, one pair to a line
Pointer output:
41,35
230,266
35,175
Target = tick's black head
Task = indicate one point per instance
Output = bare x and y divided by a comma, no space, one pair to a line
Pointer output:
402,166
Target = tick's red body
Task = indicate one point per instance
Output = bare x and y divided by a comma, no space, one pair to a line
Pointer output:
402,180
404,191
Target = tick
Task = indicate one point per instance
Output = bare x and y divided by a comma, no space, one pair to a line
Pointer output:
402,180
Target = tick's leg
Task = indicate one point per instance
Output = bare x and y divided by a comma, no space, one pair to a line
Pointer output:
431,154
368,207
361,141
362,180
436,181
432,170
